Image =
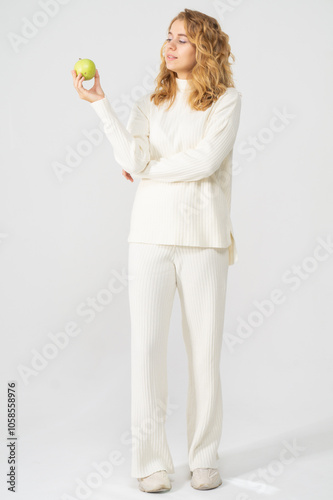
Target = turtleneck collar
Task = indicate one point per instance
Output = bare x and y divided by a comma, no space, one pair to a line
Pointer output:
182,84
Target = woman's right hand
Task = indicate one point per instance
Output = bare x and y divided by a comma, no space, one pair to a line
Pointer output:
94,94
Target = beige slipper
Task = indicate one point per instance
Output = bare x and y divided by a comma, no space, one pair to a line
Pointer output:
158,481
205,478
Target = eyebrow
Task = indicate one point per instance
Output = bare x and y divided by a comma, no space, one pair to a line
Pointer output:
179,34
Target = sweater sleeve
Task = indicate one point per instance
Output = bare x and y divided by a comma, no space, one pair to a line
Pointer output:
206,157
131,143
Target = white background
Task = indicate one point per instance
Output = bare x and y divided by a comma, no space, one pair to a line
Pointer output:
65,241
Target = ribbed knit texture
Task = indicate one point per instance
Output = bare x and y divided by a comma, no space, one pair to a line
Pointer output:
183,158
200,276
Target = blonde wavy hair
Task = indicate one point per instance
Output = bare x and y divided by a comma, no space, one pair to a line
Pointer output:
212,73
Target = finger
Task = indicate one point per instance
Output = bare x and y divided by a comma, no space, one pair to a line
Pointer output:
79,87
77,79
80,82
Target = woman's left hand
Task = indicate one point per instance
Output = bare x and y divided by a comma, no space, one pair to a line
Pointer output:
127,175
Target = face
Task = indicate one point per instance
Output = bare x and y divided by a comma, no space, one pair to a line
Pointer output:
182,50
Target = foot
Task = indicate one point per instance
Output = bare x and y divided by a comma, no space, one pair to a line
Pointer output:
205,479
158,481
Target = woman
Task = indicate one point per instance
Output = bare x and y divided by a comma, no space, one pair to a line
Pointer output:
179,142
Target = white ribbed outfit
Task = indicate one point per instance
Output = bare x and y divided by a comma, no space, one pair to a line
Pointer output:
181,236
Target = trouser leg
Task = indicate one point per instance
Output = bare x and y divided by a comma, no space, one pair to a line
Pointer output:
152,285
201,281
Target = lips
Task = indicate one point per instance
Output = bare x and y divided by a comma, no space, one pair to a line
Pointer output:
170,55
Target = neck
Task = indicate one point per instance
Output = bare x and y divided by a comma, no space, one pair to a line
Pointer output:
182,84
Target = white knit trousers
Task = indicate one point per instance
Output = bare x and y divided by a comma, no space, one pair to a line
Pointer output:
200,275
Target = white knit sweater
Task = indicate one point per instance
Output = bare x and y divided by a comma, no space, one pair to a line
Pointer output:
183,158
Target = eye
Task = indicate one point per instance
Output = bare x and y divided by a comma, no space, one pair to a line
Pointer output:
181,41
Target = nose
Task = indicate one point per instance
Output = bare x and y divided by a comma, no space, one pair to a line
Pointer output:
171,44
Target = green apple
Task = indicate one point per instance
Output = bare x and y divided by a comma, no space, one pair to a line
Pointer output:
86,67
